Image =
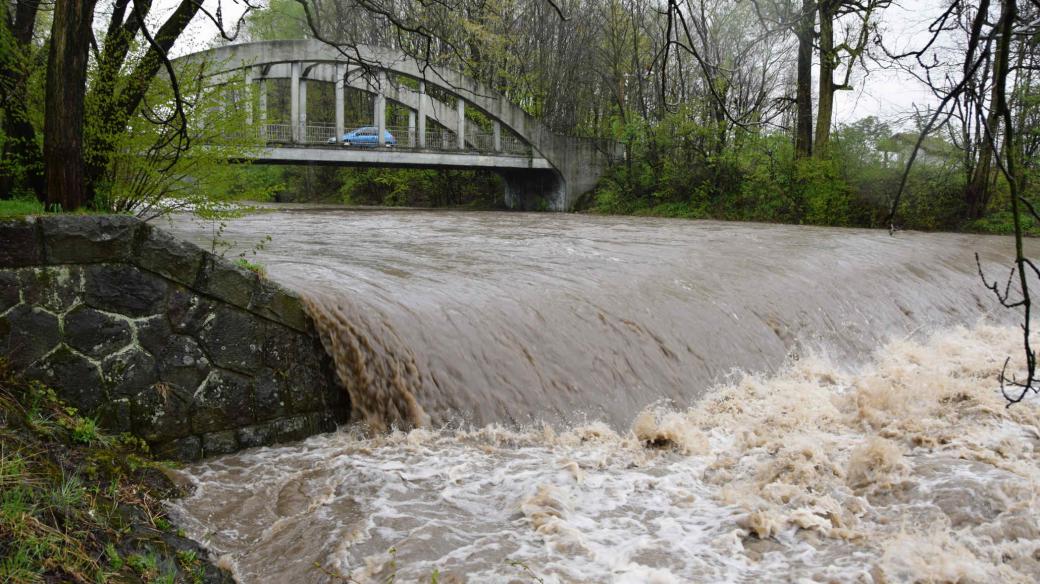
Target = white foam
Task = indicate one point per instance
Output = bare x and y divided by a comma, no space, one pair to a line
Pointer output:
910,469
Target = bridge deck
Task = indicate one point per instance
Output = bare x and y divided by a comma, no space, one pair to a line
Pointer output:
344,156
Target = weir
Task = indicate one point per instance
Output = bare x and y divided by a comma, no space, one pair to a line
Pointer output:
438,317
609,399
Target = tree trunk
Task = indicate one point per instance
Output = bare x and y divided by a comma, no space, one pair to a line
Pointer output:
63,116
825,111
977,192
803,99
976,195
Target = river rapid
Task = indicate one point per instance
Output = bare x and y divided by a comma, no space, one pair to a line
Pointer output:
564,398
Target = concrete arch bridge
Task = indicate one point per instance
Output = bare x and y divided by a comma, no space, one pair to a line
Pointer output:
537,165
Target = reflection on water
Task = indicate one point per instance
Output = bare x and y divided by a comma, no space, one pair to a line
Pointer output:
583,417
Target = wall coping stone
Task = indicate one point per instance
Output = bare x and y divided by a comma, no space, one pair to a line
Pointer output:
87,239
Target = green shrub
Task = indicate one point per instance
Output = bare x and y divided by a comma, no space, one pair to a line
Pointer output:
823,192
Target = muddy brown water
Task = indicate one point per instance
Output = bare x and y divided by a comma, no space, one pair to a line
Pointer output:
516,318
541,354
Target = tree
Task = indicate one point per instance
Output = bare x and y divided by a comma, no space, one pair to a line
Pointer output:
849,50
76,151
1002,145
148,173
21,161
66,89
804,31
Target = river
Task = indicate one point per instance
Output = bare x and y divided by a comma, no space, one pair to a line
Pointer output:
568,398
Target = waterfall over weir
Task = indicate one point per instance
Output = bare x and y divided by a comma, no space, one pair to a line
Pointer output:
477,318
606,399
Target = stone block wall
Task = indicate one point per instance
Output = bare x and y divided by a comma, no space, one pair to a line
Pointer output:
155,336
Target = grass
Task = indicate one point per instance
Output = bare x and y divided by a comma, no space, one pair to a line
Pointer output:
80,505
23,206
19,207
256,268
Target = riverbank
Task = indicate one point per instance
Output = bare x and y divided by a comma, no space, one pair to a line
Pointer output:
80,504
995,223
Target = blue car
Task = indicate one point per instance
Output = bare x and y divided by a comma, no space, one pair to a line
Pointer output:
367,136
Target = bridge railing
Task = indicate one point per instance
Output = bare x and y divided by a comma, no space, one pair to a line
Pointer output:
277,133
480,141
405,137
438,139
319,133
514,145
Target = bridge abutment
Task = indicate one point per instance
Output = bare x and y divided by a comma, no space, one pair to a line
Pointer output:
535,189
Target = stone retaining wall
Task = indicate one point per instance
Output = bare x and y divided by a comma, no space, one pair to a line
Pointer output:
155,336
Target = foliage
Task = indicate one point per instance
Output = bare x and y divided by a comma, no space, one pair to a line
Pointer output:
280,20
152,172
256,268
816,182
418,188
391,187
684,168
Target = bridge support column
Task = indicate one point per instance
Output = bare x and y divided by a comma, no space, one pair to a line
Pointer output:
263,101
294,100
462,124
496,131
535,190
341,74
411,129
262,109
380,110
422,115
249,96
303,110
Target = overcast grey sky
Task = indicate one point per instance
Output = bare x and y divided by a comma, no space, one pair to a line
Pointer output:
892,94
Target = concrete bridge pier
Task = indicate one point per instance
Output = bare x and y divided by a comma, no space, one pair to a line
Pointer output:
534,189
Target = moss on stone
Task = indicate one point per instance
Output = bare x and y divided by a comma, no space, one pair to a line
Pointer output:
78,505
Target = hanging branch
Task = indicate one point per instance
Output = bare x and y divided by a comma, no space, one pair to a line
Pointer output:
1019,389
971,66
1013,388
180,126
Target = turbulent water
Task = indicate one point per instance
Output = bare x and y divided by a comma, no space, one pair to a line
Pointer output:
598,428
439,317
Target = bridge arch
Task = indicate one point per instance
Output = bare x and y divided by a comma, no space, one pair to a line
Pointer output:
541,165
